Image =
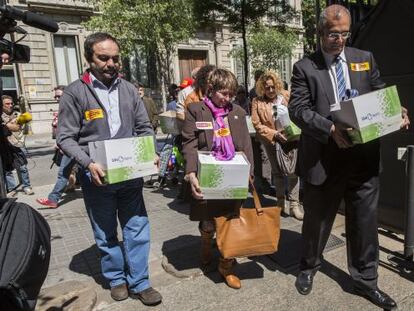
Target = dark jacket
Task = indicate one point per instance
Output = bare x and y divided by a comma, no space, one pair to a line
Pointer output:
152,111
195,139
309,108
79,122
202,140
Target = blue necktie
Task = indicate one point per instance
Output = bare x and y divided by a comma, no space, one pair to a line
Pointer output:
340,79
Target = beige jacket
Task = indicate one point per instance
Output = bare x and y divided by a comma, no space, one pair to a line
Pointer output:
262,118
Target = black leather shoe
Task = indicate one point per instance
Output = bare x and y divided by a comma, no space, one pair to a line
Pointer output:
304,282
377,297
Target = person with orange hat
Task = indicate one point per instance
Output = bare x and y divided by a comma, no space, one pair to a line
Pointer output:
186,88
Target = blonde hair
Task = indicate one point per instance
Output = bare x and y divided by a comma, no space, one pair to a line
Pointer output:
261,83
222,79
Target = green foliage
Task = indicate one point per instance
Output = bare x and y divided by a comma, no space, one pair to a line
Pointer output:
268,46
150,23
309,23
244,14
156,26
230,11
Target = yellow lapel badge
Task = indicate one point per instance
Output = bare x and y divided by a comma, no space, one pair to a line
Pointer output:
94,114
360,66
222,132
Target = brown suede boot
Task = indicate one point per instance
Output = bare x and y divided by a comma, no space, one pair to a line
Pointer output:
225,269
205,251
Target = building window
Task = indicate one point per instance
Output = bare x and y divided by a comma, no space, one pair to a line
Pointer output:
66,59
285,69
237,64
9,82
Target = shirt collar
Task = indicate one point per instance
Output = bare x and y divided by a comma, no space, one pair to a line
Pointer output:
329,59
98,83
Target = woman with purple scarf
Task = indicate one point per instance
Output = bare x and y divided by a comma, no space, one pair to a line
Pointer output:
215,125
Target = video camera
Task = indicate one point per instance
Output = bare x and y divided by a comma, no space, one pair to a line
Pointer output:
19,53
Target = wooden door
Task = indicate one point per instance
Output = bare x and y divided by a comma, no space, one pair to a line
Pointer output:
190,59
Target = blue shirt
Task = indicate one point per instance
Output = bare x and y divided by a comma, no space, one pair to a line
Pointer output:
172,105
109,98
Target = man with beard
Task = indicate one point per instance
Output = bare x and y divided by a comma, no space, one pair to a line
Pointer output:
102,106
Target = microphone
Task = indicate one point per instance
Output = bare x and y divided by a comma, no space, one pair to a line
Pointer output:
41,22
30,18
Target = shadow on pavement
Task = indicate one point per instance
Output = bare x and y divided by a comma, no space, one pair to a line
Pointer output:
339,276
179,206
182,260
71,196
287,257
87,262
396,262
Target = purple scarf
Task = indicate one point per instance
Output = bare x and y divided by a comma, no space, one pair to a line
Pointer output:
223,147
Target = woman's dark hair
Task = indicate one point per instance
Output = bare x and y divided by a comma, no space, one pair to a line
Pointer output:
93,39
222,79
201,84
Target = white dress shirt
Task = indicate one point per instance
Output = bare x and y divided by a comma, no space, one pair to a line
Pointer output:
109,97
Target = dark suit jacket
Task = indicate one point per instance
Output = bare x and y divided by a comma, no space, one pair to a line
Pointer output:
309,107
195,139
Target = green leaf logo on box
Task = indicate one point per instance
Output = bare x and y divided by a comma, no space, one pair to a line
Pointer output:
119,174
237,193
144,149
211,176
390,102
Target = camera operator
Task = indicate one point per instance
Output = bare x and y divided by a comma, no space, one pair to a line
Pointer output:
10,121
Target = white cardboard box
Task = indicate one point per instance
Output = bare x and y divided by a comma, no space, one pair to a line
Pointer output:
223,179
283,122
370,116
169,123
126,158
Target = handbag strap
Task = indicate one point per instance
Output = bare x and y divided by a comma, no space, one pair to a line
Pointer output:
256,199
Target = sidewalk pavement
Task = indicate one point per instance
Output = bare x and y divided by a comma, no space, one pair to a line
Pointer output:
267,281
266,285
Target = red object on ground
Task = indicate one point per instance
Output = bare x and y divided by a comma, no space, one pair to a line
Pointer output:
47,203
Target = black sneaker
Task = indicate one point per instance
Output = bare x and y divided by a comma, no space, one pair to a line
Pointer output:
149,296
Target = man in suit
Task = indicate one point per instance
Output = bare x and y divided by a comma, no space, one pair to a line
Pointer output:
331,167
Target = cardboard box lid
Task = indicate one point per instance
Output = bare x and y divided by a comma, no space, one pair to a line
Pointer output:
205,157
357,113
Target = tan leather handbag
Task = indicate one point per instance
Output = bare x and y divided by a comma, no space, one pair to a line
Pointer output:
256,232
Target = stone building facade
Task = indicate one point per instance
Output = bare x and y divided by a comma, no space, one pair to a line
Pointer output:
56,59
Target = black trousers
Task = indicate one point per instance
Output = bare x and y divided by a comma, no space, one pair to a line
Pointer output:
360,191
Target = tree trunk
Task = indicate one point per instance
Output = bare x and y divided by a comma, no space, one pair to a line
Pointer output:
245,56
161,73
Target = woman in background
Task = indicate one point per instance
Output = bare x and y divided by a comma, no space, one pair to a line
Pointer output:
269,89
